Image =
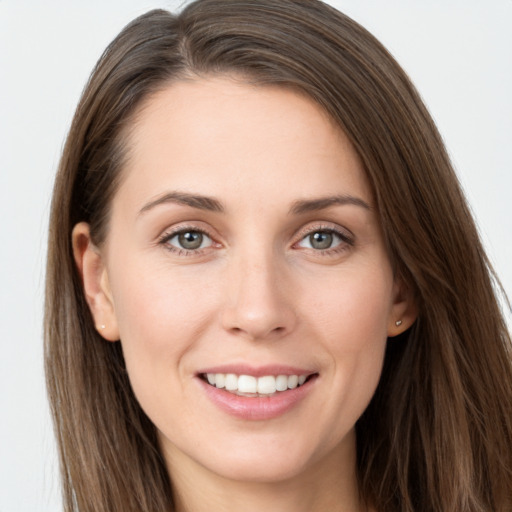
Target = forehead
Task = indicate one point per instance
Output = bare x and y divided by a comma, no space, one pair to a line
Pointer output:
222,137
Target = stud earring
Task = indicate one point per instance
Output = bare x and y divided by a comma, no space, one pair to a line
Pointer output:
398,323
102,326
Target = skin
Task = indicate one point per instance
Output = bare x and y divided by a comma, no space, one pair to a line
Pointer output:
258,291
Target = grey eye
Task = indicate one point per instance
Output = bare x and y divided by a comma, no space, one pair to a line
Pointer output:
321,240
190,240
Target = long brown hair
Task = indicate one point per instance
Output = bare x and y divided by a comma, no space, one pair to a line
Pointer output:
437,435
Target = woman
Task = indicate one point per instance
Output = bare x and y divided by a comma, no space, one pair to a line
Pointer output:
265,288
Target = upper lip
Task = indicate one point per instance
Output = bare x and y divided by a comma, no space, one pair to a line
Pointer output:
257,371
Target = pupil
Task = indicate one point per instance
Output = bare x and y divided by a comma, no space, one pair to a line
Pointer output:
191,240
321,240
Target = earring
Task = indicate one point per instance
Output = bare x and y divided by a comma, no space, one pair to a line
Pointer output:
398,323
102,326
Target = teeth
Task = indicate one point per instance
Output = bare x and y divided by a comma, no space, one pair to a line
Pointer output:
267,385
231,382
282,383
293,381
220,380
248,384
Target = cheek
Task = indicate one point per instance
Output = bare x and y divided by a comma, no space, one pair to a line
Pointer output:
161,314
353,309
157,298
161,318
351,320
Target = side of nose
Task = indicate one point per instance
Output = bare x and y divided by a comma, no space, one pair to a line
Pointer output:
259,300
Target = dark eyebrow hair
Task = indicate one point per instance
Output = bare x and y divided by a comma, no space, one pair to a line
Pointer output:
309,205
193,200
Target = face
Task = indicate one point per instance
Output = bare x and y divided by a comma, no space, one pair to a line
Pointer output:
246,276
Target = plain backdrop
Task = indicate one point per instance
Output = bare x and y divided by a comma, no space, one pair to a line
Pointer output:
457,52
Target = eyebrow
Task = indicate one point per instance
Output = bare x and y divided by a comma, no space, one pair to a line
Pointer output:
195,201
310,205
214,205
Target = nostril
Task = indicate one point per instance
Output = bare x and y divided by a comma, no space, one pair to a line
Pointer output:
260,319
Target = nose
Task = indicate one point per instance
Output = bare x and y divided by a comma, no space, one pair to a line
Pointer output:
258,300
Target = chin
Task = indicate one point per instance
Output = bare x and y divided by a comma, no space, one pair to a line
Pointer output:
257,469
277,458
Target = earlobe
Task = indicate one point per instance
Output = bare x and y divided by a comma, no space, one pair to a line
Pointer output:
96,286
404,310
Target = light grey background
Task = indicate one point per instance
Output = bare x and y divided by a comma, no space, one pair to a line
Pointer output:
458,53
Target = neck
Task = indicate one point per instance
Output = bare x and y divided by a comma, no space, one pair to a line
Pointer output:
328,484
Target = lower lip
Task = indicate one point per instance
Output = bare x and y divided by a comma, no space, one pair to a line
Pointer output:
257,408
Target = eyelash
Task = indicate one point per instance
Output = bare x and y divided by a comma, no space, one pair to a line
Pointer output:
169,235
346,240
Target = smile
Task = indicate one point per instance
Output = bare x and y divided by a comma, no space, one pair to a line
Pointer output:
256,393
252,386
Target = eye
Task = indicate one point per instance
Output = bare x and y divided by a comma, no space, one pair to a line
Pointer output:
187,240
324,240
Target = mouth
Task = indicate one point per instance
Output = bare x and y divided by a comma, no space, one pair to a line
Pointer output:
251,386
257,393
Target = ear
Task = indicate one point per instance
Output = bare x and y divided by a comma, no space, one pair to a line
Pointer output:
95,282
404,310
